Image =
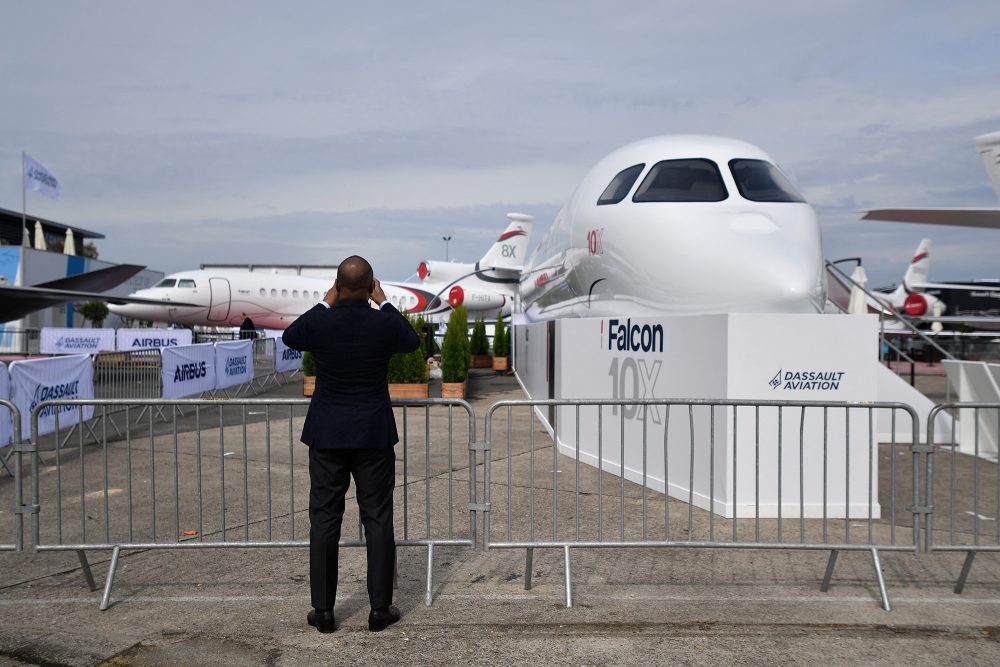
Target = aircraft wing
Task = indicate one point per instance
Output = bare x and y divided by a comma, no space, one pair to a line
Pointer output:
16,302
95,281
987,218
955,286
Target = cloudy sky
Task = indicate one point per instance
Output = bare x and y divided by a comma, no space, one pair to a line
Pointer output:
301,132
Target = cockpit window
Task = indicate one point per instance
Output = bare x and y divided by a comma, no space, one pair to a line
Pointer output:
166,282
186,283
620,185
691,180
761,181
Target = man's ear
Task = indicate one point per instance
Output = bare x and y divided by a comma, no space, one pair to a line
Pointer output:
371,287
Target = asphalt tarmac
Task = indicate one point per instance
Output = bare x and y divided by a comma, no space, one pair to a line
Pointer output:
225,606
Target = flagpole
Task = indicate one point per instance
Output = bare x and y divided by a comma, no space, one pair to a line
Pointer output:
24,205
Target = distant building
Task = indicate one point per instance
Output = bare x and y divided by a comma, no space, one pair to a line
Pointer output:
26,266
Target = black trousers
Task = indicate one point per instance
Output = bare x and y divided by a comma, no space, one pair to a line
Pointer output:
374,472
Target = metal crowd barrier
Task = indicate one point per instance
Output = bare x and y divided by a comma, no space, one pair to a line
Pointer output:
11,493
962,484
186,483
599,506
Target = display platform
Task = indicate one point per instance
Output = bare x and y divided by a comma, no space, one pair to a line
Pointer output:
824,464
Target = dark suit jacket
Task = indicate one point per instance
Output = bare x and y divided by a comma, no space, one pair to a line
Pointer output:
352,343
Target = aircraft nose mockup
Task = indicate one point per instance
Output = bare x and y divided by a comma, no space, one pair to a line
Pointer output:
715,259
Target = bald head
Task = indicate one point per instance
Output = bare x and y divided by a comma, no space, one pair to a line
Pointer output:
354,277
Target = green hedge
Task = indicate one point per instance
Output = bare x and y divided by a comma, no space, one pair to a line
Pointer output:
410,367
501,339
479,343
456,348
308,364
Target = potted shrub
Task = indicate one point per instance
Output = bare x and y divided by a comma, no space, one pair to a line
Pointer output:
308,374
501,344
455,355
408,370
480,346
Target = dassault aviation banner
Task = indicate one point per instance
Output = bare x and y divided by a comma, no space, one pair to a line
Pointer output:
233,363
137,339
188,370
76,341
5,416
285,358
38,380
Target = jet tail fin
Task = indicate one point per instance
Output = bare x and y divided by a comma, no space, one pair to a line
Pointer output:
507,254
988,147
916,274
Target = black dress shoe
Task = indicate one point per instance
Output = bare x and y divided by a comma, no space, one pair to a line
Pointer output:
323,622
380,620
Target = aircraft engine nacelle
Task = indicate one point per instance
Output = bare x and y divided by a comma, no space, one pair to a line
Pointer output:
915,305
474,299
443,272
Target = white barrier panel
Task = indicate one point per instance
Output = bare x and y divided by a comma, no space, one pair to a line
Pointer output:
285,358
5,416
37,380
273,333
76,341
188,370
233,363
137,339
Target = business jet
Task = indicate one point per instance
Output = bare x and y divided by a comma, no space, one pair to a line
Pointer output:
918,299
988,147
679,224
220,297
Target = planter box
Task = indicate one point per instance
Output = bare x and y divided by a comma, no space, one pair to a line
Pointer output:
482,361
414,390
308,385
452,390
499,363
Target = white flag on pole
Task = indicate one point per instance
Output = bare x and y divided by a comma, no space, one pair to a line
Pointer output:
39,179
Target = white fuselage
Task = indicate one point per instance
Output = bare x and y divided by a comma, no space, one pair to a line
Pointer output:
272,301
641,256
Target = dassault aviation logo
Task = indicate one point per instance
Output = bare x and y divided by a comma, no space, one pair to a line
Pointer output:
807,380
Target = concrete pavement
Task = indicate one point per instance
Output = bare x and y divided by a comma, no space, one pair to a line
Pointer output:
645,606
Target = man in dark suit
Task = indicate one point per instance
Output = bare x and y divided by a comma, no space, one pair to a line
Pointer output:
350,430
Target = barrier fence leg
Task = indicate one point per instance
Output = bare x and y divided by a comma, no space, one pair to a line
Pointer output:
106,599
429,595
88,576
881,581
569,580
966,566
395,572
825,586
528,557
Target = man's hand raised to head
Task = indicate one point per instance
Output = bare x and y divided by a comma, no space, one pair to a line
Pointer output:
331,296
378,296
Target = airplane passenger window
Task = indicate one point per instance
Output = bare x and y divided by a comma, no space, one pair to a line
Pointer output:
316,295
620,185
761,181
186,283
284,293
295,294
694,180
274,292
166,282
263,292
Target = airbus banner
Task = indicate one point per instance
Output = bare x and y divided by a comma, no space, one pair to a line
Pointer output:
76,341
38,380
5,416
138,339
188,370
285,358
233,363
